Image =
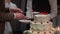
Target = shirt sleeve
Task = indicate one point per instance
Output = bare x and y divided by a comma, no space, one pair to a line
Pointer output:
8,28
12,5
29,9
53,4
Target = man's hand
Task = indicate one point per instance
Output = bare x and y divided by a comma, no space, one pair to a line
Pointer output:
16,10
19,16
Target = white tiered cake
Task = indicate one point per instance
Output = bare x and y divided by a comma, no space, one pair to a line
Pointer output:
41,25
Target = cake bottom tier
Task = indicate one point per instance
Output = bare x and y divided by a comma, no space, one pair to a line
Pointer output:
40,32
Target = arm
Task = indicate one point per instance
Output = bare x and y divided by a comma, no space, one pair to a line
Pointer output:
14,8
29,9
10,16
53,4
6,17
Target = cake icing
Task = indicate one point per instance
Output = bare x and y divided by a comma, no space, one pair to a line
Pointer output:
40,17
41,25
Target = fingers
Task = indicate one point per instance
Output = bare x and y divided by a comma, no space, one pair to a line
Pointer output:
16,10
20,16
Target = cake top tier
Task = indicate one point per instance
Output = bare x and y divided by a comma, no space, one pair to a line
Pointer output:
42,15
42,18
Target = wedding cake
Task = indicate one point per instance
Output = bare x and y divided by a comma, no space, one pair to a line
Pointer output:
41,25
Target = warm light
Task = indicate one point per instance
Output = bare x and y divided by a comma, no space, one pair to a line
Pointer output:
57,28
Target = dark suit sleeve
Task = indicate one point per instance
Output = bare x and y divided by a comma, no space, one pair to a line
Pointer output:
6,17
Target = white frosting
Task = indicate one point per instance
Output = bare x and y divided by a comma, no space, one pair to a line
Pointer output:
41,27
41,32
41,24
40,17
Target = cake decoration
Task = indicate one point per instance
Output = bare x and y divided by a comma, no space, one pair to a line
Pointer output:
50,32
38,32
34,21
44,32
41,24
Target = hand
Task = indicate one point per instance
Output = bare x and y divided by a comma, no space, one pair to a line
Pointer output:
28,18
19,16
16,10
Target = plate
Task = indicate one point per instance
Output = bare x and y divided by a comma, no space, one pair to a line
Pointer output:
25,20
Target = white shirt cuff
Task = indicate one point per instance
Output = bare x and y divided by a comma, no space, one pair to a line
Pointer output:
14,16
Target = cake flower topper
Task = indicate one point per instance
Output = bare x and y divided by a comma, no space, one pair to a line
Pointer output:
44,12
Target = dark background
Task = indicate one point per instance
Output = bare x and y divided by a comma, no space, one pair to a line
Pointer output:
22,4
17,2
58,1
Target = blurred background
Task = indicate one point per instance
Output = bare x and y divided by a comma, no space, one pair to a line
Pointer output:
18,27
